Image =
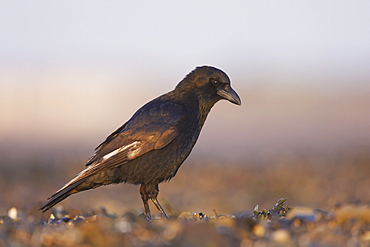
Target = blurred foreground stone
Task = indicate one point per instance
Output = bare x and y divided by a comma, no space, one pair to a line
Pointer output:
345,225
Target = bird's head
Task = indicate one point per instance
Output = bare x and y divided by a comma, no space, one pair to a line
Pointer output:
211,84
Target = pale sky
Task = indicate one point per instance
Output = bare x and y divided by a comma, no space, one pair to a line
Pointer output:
253,37
88,65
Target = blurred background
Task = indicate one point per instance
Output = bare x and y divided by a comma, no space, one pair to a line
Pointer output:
72,72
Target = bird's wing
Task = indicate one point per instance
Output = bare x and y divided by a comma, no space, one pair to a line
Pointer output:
153,126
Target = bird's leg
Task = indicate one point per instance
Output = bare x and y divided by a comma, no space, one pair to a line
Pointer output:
159,207
152,193
145,198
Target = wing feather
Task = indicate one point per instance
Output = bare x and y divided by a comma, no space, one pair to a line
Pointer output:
153,126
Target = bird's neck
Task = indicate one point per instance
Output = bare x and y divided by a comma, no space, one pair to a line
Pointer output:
204,107
197,102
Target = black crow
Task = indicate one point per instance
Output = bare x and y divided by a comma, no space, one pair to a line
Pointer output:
150,147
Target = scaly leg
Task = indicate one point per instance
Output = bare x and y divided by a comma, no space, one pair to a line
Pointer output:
159,207
151,191
145,198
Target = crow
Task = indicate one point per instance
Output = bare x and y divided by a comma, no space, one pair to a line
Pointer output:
151,146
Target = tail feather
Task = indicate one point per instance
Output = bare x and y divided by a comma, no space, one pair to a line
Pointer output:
61,194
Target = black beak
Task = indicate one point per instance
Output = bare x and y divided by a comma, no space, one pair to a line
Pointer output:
229,94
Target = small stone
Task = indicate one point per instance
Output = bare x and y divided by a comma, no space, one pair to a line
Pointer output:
13,213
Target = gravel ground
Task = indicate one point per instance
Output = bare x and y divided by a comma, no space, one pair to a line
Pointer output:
209,203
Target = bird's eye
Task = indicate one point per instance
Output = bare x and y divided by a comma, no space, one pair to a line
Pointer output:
214,82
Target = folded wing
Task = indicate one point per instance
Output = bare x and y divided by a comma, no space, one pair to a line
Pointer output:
152,127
